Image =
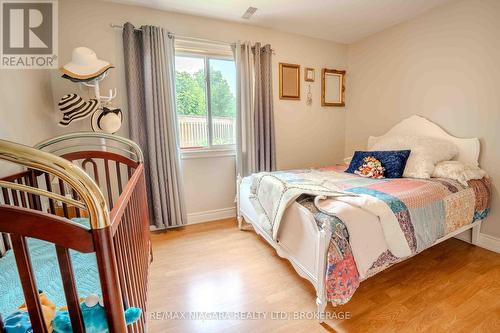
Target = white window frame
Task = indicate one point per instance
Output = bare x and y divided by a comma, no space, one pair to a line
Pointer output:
210,150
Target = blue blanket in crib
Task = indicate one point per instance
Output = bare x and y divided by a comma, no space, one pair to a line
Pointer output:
48,277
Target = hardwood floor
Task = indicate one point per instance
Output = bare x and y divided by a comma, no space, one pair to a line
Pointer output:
214,267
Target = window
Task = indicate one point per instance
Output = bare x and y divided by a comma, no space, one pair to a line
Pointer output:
206,100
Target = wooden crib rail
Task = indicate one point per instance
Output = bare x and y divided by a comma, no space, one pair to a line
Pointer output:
11,196
84,154
86,189
124,199
120,237
47,227
130,228
40,192
79,141
22,223
108,170
87,192
33,189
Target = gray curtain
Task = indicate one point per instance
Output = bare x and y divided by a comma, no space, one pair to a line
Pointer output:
264,112
149,56
256,149
245,141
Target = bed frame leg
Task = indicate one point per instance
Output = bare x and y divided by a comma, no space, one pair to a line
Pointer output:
475,232
321,303
238,213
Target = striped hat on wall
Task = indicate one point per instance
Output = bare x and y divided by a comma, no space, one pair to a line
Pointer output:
74,107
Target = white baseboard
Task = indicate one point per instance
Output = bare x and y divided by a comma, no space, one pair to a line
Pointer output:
211,215
485,241
489,242
202,217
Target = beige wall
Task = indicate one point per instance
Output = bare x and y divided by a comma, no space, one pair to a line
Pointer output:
444,65
25,108
306,135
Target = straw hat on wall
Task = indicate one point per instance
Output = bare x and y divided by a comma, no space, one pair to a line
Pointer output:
84,65
107,119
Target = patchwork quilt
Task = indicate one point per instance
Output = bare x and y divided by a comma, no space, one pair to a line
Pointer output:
375,223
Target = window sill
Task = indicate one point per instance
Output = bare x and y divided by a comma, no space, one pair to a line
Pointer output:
187,154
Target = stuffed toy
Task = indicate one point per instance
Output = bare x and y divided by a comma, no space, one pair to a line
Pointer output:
94,316
19,321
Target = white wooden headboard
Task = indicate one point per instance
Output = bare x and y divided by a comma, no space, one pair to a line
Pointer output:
468,149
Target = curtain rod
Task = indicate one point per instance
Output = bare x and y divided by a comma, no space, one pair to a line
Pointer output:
117,26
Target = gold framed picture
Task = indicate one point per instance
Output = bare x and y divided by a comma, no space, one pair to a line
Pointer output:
289,81
332,87
309,74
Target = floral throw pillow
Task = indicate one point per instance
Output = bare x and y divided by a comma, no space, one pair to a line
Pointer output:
393,161
371,168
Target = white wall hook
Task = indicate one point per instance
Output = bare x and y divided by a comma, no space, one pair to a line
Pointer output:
111,96
104,100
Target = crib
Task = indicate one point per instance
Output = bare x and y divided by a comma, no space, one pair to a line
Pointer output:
93,175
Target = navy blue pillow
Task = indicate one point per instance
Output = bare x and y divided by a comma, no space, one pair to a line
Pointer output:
394,161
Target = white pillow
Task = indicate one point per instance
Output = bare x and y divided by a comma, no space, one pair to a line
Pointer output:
425,152
458,171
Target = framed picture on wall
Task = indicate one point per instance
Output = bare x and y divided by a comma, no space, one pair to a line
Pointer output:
332,87
309,74
289,81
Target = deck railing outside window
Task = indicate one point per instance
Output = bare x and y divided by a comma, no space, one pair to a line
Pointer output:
193,131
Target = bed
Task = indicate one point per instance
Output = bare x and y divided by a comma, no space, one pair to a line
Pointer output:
73,222
337,238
